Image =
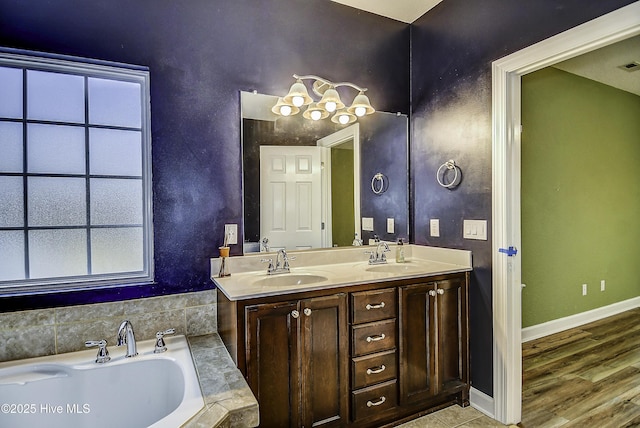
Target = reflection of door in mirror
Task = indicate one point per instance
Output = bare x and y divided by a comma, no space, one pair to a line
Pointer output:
290,197
342,214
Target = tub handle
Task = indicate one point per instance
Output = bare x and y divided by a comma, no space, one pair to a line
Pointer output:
103,352
160,345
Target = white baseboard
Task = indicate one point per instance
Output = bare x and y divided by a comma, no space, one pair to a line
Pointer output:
561,324
481,401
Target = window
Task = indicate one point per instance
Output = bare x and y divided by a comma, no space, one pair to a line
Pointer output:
75,174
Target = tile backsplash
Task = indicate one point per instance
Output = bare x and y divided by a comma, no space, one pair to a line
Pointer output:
35,333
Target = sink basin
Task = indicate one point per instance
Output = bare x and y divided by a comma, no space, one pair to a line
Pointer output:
288,279
398,268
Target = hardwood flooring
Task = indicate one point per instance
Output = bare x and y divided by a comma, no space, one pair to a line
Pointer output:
586,377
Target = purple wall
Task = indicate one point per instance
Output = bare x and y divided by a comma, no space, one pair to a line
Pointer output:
453,46
201,53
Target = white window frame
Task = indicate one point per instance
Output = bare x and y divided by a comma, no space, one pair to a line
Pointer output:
27,60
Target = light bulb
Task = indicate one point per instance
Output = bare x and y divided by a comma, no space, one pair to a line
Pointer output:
360,111
316,115
330,106
297,101
344,119
285,110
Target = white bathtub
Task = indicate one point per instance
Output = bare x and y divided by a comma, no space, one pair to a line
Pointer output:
71,390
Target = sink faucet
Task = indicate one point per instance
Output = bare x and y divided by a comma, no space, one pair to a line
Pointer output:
282,263
378,257
126,336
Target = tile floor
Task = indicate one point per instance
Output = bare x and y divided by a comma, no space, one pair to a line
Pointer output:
454,417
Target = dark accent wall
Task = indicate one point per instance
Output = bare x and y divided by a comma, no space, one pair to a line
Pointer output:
201,53
452,48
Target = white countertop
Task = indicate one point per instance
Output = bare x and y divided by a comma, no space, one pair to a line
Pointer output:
332,268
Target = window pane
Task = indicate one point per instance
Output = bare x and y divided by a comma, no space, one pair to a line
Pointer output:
11,255
10,146
55,149
55,96
116,201
114,152
117,250
11,90
54,253
114,102
11,202
57,201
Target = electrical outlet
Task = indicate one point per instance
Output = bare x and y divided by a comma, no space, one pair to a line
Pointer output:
434,227
584,289
602,284
231,232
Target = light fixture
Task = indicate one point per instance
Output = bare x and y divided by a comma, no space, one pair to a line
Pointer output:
329,102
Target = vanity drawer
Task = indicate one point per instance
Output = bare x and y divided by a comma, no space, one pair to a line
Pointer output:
372,369
374,305
370,402
373,337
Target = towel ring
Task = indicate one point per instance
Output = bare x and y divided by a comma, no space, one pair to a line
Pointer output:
379,183
449,165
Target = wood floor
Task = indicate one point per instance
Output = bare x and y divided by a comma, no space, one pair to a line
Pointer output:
584,377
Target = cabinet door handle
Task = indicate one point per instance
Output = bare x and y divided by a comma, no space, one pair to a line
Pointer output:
376,403
441,291
378,306
295,313
432,293
375,338
307,311
376,370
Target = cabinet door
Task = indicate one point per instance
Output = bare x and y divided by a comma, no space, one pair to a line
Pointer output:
272,356
325,361
417,343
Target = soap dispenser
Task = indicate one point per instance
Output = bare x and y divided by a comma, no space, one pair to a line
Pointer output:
400,251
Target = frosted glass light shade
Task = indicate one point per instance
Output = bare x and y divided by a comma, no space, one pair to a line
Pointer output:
361,105
331,101
298,95
343,117
283,109
314,112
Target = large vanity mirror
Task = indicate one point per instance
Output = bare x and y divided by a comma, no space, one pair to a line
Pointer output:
316,184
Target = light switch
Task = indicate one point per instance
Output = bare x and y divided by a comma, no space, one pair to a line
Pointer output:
390,225
434,227
367,223
231,231
475,229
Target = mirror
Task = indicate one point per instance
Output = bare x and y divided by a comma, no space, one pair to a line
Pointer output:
315,184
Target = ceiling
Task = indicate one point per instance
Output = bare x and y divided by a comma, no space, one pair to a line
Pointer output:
400,10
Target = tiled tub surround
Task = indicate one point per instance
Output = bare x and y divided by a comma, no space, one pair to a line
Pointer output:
228,400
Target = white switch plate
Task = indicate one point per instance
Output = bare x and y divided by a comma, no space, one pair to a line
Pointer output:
475,229
390,225
434,227
231,231
584,289
602,285
367,223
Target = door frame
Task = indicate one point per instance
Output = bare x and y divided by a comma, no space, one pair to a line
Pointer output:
506,128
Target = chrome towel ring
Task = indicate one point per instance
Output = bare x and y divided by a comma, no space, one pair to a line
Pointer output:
379,183
447,166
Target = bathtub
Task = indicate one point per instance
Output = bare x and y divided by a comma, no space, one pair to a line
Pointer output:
71,390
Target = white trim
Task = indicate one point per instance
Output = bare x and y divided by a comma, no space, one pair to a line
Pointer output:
481,401
507,353
555,326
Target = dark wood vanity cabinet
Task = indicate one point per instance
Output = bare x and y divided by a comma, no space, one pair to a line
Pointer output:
366,355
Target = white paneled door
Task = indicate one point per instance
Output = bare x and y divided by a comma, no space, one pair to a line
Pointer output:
290,196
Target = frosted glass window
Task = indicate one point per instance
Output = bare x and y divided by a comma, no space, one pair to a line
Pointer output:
11,90
116,201
115,152
55,149
114,103
55,96
10,146
57,253
117,250
11,202
11,255
59,201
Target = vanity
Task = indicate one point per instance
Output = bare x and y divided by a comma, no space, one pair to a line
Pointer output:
339,342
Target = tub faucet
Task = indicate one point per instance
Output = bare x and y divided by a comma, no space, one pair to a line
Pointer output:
126,336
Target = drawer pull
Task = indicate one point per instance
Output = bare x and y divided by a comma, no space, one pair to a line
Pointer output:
378,306
376,370
375,338
376,403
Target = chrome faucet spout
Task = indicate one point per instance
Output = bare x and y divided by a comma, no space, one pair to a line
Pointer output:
128,337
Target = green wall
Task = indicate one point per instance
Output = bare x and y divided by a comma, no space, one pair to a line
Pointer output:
342,212
580,195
